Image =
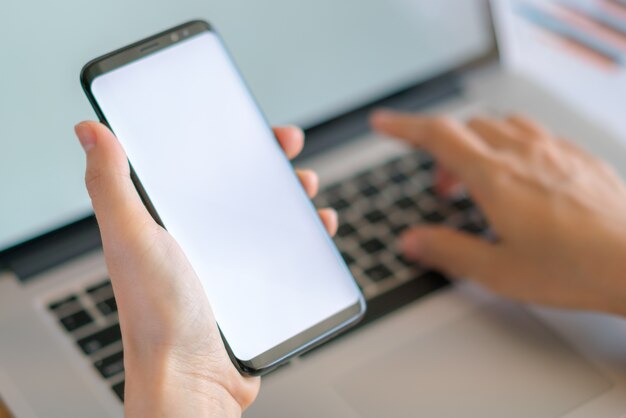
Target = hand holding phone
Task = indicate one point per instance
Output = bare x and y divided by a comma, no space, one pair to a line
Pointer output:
209,170
174,355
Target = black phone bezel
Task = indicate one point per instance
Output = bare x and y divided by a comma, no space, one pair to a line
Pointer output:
297,345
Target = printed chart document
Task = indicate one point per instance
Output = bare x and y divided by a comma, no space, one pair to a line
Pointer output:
576,48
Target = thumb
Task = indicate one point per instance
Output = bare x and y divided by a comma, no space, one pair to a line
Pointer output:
455,253
115,200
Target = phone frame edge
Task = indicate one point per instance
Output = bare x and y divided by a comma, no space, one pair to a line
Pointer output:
88,74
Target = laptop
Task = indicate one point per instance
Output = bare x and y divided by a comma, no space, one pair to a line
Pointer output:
429,346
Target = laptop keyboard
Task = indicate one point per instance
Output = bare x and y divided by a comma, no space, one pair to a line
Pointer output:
90,318
374,208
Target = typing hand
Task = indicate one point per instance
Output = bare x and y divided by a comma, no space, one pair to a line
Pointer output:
174,358
559,214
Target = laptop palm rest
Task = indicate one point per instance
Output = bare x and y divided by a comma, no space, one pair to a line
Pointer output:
450,372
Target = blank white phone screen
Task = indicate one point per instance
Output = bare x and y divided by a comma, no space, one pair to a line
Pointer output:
219,182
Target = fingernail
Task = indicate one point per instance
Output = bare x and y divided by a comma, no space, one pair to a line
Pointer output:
410,245
86,136
334,216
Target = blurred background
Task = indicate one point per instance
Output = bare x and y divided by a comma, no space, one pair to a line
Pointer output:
576,48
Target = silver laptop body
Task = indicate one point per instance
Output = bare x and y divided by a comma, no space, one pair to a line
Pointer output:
428,347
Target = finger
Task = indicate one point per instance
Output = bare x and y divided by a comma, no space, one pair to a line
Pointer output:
497,134
576,150
310,181
329,218
115,200
455,253
527,126
454,145
291,139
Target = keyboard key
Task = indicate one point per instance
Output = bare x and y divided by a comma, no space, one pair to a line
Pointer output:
372,246
100,339
427,164
69,301
119,390
399,178
347,258
473,228
378,273
375,216
110,366
76,320
405,203
463,203
107,306
434,217
339,204
345,229
106,285
369,190
399,228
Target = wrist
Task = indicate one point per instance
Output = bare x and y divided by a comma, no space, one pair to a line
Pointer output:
158,387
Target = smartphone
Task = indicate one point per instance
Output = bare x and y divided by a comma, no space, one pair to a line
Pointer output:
211,172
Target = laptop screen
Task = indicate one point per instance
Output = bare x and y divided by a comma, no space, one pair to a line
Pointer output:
305,61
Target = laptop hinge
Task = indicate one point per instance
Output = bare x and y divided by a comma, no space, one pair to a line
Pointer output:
353,124
33,257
